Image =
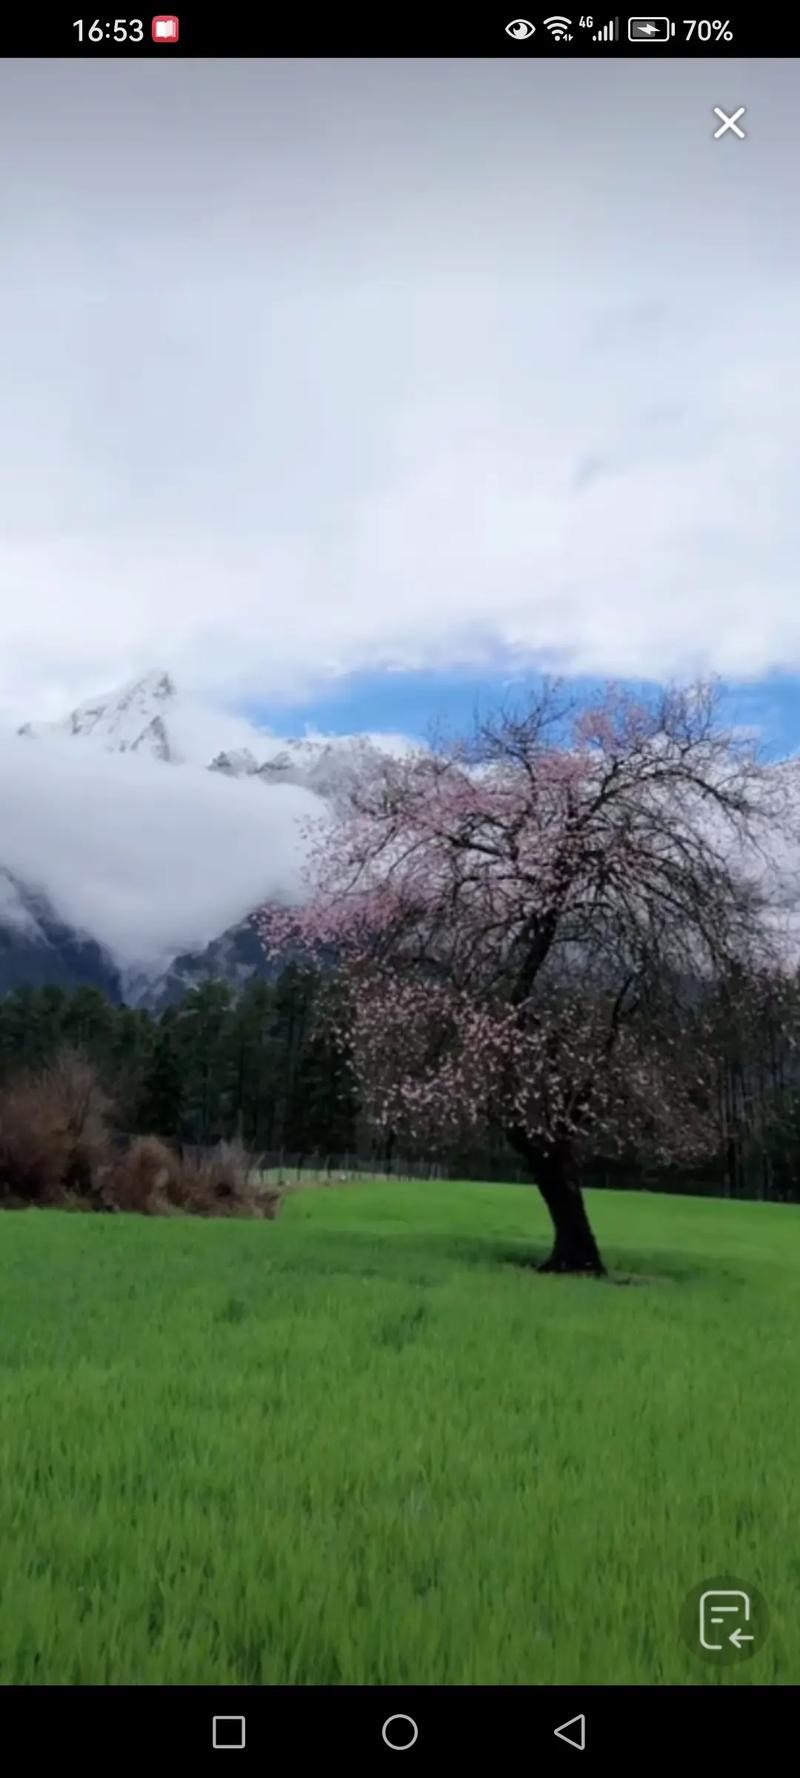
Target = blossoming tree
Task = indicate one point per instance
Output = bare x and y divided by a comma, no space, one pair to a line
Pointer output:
521,921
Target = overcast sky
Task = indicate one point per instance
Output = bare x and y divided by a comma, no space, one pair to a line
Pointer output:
314,369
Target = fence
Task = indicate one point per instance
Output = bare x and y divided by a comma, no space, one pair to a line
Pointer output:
287,1167
284,1166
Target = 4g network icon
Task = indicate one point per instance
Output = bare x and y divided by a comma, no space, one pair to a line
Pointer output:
165,28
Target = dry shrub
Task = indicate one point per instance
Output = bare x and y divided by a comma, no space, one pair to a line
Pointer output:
142,1180
56,1148
153,1180
225,1182
54,1133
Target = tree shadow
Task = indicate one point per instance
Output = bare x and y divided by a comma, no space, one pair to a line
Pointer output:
423,1258
635,1270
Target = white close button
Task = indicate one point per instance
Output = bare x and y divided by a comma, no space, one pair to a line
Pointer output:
729,123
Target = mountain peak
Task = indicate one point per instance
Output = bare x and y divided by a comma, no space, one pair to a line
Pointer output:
130,719
149,717
235,762
156,685
140,694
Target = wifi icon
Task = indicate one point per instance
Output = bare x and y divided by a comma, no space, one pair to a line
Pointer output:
559,28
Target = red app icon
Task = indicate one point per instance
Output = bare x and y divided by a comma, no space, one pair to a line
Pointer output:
165,28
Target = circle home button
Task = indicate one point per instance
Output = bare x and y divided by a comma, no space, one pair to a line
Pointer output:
400,1732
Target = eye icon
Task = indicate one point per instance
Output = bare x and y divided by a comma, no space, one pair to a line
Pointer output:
520,28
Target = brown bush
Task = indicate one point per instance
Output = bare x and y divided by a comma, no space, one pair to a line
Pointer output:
153,1180
56,1148
143,1179
54,1133
225,1182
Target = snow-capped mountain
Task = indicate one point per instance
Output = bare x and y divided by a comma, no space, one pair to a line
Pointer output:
131,719
149,826
151,718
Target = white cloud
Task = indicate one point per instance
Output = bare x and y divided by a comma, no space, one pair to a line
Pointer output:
395,364
149,859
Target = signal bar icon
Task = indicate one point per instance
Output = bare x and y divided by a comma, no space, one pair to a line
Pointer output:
608,34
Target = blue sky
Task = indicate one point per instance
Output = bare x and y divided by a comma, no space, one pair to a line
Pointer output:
407,703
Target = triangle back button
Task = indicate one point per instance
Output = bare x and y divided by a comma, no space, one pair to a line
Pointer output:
573,1732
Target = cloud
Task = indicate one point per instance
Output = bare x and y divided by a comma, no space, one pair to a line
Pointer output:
149,859
394,365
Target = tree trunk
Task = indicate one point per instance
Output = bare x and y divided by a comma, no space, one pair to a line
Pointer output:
556,1174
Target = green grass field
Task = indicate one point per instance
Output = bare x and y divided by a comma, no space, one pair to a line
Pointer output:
366,1444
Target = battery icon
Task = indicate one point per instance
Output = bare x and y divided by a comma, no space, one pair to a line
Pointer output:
650,30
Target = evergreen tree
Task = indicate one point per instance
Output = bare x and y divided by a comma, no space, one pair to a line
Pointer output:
88,1022
31,1027
159,1106
209,1081
253,1064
